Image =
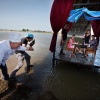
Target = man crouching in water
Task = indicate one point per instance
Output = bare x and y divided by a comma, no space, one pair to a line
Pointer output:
7,48
21,55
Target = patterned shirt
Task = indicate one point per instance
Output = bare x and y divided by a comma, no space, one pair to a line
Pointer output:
93,43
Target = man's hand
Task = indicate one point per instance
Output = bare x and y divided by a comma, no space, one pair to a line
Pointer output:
31,49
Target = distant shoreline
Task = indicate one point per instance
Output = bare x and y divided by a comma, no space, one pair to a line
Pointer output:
25,31
69,35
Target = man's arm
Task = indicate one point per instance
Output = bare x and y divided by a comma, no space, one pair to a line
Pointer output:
24,45
30,45
27,45
29,48
22,48
32,42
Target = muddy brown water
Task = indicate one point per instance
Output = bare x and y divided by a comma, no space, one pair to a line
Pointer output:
63,82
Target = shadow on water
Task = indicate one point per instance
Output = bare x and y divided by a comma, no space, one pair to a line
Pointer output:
72,82
64,82
32,86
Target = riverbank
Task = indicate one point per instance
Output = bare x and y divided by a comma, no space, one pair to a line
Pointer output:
79,35
70,33
35,31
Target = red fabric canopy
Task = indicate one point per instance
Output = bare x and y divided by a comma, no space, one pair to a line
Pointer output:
96,27
58,16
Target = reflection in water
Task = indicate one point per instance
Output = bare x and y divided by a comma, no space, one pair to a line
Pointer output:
70,82
66,81
48,95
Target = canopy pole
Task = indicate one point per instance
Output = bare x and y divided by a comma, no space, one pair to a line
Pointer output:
53,60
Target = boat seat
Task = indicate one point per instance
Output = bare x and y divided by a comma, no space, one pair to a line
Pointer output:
93,51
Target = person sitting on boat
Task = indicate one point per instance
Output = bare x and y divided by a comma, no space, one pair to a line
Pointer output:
86,40
71,45
92,45
86,37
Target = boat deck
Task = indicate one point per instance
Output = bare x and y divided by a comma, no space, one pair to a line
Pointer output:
86,61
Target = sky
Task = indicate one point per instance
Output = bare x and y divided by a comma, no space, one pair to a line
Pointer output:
25,14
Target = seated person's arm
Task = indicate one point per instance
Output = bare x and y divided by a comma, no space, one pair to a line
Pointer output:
76,42
83,36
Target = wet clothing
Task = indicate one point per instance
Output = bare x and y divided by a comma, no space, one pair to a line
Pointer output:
20,58
21,55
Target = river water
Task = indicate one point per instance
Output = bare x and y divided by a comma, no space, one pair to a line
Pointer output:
65,81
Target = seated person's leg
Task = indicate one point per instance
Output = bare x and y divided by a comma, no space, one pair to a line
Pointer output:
82,50
79,50
83,47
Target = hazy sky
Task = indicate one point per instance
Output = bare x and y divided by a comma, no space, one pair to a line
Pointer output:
25,14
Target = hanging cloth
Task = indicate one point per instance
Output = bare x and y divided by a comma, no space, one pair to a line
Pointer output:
89,15
59,13
96,27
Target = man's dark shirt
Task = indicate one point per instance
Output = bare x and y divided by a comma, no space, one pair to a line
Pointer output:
24,41
64,33
87,38
93,43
